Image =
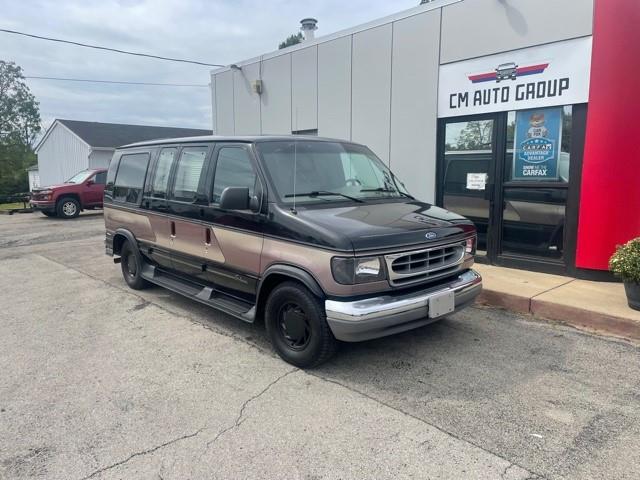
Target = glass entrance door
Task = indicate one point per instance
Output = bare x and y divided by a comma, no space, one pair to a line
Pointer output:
509,173
536,182
468,172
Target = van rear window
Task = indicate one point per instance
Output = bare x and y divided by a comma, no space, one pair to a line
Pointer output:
130,178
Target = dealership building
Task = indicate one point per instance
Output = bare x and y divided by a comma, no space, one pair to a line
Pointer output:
519,114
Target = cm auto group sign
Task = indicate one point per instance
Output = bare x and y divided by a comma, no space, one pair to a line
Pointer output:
548,75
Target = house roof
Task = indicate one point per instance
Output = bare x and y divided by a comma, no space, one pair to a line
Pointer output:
112,135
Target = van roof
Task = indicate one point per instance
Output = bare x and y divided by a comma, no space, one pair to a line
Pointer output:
239,138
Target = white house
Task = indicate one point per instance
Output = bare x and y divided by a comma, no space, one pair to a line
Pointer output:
34,177
69,146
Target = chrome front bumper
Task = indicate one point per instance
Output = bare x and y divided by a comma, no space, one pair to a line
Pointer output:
374,317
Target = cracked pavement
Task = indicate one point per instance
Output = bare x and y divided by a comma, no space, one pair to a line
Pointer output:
102,382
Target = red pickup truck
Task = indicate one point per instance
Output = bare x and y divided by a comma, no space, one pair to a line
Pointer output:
83,191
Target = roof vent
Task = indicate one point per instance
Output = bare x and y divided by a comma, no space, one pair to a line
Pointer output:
308,27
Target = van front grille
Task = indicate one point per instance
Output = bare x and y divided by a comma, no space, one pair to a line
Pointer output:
419,265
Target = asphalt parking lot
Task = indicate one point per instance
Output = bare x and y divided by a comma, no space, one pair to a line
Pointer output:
99,381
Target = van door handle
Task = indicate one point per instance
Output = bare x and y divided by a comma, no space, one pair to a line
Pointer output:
207,237
173,230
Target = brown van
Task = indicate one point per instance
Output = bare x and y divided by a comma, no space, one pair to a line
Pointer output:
316,236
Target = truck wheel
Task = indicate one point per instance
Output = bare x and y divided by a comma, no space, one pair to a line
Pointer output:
297,326
132,267
68,208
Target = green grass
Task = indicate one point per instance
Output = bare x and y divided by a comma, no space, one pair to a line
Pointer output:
11,206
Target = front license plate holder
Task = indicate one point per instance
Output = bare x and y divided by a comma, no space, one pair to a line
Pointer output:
441,304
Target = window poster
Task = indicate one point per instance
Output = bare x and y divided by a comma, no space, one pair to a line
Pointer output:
476,181
537,144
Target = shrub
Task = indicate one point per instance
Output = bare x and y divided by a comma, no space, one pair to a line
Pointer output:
625,262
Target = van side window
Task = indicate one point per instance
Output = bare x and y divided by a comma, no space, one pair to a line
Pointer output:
130,177
113,168
188,173
161,175
233,169
100,178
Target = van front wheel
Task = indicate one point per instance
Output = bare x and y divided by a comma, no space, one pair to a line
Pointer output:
297,326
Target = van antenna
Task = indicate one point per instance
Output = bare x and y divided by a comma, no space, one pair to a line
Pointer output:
295,167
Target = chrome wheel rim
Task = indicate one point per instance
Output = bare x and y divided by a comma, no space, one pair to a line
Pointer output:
69,208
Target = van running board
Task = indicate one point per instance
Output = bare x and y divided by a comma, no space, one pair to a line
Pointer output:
200,293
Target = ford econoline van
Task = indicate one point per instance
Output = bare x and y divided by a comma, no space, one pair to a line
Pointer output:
315,236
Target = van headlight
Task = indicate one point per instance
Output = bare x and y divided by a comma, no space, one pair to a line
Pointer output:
470,245
352,270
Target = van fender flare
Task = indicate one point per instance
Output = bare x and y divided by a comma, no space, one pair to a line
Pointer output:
129,237
295,273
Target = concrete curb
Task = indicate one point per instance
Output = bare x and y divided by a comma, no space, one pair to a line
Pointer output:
594,322
586,319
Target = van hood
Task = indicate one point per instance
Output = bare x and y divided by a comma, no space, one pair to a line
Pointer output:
375,225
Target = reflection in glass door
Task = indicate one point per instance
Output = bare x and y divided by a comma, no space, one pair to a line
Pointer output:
469,152
536,181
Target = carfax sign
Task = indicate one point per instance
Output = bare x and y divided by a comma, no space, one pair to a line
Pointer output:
537,144
544,76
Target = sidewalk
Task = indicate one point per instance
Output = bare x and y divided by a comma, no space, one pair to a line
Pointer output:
595,306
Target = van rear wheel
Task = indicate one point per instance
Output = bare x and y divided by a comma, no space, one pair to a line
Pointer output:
131,264
297,326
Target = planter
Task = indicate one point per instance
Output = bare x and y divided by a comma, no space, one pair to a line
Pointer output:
632,290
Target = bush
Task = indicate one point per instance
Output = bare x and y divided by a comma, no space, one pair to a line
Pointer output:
625,262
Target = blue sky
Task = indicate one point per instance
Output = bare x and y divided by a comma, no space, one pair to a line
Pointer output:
210,31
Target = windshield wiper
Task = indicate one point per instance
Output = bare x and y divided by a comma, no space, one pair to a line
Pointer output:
316,193
382,189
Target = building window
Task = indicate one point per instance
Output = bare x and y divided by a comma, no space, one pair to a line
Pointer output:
539,144
312,132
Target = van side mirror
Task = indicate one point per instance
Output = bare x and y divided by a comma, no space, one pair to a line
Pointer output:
235,198
255,203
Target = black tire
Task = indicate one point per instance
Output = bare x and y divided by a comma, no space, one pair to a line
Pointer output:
68,207
131,264
48,214
297,326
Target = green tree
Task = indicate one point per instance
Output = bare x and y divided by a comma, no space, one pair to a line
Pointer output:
476,135
291,40
19,127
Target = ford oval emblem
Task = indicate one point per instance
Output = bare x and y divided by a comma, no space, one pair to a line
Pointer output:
430,235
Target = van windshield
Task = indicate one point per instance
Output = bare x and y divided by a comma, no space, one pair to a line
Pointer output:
312,171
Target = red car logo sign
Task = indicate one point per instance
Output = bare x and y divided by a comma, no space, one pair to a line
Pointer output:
508,71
